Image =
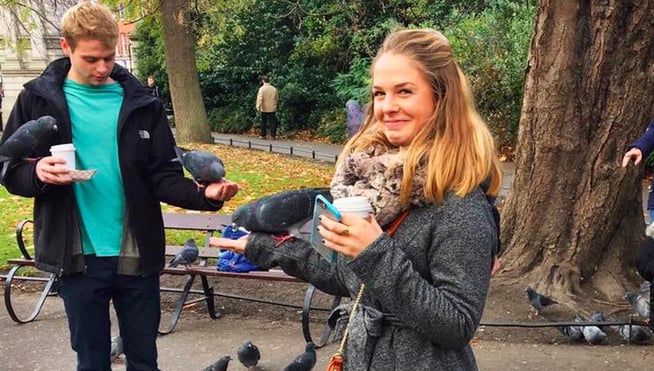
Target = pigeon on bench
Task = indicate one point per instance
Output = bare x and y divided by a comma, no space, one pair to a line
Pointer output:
538,302
186,255
204,167
281,213
32,139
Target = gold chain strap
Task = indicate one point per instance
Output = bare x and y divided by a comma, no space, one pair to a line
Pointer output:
349,321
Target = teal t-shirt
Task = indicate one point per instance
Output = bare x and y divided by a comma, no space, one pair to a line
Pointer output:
101,201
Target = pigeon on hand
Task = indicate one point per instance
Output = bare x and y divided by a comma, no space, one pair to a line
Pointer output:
635,333
248,354
281,213
538,302
305,361
186,255
219,365
116,347
204,167
640,304
32,139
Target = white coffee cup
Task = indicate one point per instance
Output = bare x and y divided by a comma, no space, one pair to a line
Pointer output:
65,151
358,205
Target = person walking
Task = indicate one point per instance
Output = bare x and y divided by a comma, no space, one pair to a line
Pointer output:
638,152
427,164
267,105
152,87
104,237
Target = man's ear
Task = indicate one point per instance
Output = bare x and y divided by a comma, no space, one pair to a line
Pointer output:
64,46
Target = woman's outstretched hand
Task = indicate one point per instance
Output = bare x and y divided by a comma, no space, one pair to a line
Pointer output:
237,246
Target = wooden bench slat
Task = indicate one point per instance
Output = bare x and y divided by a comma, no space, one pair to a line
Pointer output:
195,221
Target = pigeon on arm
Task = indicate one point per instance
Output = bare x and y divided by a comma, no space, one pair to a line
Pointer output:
204,167
32,139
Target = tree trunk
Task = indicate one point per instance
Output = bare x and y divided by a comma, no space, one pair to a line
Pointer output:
191,122
573,221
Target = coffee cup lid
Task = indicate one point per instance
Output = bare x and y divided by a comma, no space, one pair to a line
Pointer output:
63,147
356,203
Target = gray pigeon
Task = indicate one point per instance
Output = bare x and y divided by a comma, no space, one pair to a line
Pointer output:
537,301
598,316
573,333
219,365
116,347
204,167
305,361
593,334
187,255
635,333
32,139
248,354
640,303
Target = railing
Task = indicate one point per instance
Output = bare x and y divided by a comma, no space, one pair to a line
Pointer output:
277,148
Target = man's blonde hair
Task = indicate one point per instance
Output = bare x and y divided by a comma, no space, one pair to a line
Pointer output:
456,143
87,20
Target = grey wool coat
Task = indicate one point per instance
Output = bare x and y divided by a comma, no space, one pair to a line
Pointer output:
425,287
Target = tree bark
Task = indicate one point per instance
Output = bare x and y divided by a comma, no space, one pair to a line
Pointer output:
573,220
191,121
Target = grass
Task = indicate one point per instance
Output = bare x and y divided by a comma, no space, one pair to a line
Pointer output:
259,173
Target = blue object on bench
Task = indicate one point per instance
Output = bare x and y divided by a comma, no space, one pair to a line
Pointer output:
230,261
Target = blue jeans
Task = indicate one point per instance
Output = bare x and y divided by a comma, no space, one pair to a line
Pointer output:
650,216
136,300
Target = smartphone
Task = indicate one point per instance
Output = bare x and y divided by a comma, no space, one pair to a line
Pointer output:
323,208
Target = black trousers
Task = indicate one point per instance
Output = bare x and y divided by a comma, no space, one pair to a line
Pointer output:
136,300
268,117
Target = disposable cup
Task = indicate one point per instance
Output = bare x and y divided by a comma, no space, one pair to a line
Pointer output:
357,205
65,151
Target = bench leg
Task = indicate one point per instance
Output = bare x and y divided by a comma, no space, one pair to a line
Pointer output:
306,308
209,297
180,305
39,304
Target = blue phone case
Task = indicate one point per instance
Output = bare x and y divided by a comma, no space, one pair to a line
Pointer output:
322,207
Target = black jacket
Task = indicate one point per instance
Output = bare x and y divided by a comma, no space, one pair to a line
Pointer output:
149,175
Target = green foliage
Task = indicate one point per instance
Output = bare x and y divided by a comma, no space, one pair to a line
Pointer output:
333,126
150,54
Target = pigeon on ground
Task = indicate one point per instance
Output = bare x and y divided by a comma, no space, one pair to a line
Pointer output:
573,333
635,333
281,213
598,316
187,255
305,361
538,302
204,167
32,139
640,304
593,334
248,354
116,347
219,365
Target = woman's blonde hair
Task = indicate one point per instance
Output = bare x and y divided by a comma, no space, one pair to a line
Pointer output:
88,20
458,147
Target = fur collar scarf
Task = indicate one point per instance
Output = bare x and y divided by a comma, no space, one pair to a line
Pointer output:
377,174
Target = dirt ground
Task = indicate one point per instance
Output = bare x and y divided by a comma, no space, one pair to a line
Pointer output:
197,340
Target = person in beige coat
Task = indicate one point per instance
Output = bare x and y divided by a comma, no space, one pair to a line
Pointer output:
267,105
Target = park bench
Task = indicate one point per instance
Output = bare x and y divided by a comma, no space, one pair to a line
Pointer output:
203,267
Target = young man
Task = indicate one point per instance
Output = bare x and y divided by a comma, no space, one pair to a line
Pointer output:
638,152
267,105
104,237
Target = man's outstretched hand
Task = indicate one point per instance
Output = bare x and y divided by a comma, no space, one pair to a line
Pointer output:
222,190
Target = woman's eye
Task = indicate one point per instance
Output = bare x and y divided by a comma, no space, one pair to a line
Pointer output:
377,94
405,91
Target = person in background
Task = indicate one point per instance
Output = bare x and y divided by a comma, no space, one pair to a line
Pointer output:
354,117
152,87
267,105
421,291
638,152
104,238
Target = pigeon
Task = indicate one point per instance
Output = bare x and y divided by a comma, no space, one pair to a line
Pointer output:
640,304
305,361
573,333
538,301
32,139
219,365
281,213
635,333
248,354
116,347
593,334
204,167
187,255
598,316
